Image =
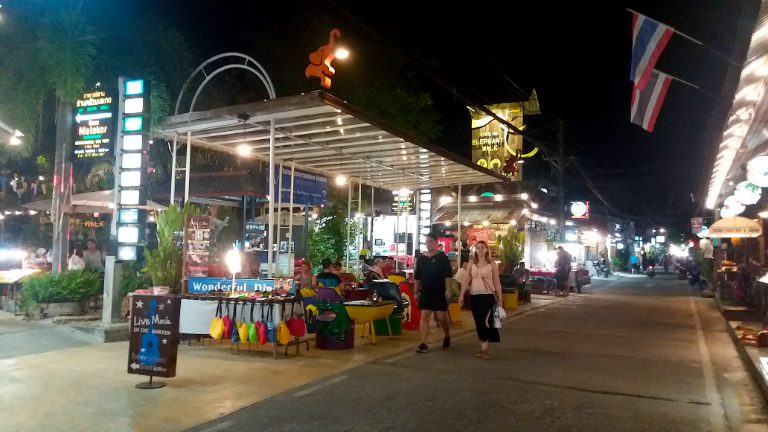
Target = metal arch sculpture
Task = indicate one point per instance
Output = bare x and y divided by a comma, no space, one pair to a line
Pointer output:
261,73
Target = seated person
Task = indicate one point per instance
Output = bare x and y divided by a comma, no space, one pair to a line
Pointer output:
389,267
520,273
327,272
337,268
378,268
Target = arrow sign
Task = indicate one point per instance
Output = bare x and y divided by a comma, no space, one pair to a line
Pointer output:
96,116
134,366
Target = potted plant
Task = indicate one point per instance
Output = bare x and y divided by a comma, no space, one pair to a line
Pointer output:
163,264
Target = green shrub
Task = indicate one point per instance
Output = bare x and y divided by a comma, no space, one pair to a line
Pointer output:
133,278
71,286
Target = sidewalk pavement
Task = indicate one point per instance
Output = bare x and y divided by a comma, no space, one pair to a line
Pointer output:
21,338
87,388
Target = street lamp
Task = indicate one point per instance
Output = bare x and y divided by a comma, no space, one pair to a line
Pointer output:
233,262
342,53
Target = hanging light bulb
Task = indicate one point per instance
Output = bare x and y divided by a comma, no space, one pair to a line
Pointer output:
341,180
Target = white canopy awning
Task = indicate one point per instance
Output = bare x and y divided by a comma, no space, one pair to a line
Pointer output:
323,134
735,227
90,202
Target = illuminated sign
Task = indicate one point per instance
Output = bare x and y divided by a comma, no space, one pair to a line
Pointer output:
580,210
747,193
494,145
94,121
132,161
402,204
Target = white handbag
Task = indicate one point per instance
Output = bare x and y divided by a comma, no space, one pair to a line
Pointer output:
498,315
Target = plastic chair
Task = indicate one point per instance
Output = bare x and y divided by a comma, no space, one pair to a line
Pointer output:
329,295
396,278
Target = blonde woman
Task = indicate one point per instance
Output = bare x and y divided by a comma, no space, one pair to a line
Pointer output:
484,286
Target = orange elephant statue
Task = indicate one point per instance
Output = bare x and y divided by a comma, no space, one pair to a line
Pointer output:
320,61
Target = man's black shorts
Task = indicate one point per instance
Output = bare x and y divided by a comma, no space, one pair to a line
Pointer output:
433,301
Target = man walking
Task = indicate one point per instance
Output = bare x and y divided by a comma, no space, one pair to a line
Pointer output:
432,286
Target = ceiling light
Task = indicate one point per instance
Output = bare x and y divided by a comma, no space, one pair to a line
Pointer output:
472,198
524,196
342,53
534,205
341,180
448,223
485,223
244,149
513,222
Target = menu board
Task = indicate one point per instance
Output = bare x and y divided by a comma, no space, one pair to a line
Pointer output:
197,241
154,335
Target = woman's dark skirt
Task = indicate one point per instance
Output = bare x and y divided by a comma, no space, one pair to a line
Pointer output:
482,311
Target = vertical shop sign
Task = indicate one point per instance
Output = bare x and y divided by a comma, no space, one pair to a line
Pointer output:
131,166
197,240
154,335
425,218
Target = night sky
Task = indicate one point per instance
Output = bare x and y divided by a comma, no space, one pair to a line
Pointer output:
576,56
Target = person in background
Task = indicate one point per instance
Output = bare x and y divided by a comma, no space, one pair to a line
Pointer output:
484,286
520,273
378,268
633,262
252,267
562,266
94,259
75,262
327,272
432,286
389,267
306,278
337,268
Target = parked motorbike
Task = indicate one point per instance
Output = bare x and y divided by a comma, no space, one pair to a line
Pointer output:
650,272
600,268
682,273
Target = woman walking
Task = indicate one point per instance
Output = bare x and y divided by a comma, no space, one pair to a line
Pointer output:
484,287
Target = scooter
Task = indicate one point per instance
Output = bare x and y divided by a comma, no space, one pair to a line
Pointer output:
600,269
682,273
650,272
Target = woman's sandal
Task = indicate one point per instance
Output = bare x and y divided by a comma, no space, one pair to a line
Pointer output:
484,354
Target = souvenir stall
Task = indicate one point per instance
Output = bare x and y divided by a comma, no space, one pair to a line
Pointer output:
319,134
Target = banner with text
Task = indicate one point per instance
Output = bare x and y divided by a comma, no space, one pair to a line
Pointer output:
204,285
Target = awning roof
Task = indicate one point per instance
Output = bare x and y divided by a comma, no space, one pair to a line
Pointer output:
735,227
90,202
218,184
324,134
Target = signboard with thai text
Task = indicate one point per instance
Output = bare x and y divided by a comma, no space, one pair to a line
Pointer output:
94,120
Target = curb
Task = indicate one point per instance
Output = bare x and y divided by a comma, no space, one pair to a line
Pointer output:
757,375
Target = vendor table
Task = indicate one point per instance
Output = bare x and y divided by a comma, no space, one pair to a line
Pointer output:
10,286
196,314
363,311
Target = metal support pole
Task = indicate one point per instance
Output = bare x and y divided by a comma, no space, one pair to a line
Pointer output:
360,238
458,224
306,231
245,215
173,168
187,169
291,269
271,195
279,217
561,194
349,222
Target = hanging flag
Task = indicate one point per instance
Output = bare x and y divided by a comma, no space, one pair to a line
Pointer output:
648,41
646,102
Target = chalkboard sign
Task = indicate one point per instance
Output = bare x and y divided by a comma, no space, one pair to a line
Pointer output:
154,335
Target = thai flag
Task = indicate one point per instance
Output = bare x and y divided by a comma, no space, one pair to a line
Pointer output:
646,102
648,41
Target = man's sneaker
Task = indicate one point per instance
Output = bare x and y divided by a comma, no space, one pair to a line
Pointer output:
422,348
446,342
